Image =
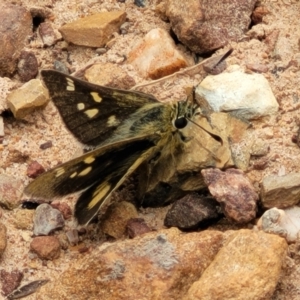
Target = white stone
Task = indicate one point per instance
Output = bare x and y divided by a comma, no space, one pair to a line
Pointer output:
247,95
284,222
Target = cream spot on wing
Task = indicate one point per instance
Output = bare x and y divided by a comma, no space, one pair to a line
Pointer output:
112,121
89,159
70,85
85,171
96,97
70,88
80,106
91,112
99,194
59,172
73,175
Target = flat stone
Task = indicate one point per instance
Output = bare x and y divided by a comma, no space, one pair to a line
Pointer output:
156,265
46,247
250,100
156,55
15,29
205,26
27,98
116,218
247,267
280,191
10,191
234,191
109,74
95,30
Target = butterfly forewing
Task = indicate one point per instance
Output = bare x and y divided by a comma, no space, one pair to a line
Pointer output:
91,112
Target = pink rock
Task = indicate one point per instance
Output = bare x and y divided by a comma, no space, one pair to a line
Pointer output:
156,56
234,191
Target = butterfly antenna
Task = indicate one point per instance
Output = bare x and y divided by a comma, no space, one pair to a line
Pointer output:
214,136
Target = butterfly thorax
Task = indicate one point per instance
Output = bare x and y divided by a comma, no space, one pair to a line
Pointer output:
156,118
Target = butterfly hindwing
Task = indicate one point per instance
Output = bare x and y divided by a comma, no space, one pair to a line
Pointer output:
97,173
91,112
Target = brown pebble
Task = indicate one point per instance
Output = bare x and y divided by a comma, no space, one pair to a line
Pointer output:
46,247
258,68
260,164
46,145
35,169
83,249
27,66
136,227
258,14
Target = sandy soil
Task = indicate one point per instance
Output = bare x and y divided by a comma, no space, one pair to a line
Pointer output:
23,138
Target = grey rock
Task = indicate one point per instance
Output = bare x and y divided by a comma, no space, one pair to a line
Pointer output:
47,219
72,236
283,222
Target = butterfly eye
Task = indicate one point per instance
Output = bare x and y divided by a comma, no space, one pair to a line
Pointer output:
180,123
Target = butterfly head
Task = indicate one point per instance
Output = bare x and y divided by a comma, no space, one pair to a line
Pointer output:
184,112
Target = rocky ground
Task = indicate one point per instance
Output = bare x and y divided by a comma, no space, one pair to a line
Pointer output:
227,261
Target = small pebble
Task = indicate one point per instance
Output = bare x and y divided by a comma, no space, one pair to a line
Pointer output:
64,208
72,236
136,227
61,67
46,247
10,280
35,169
47,219
46,145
